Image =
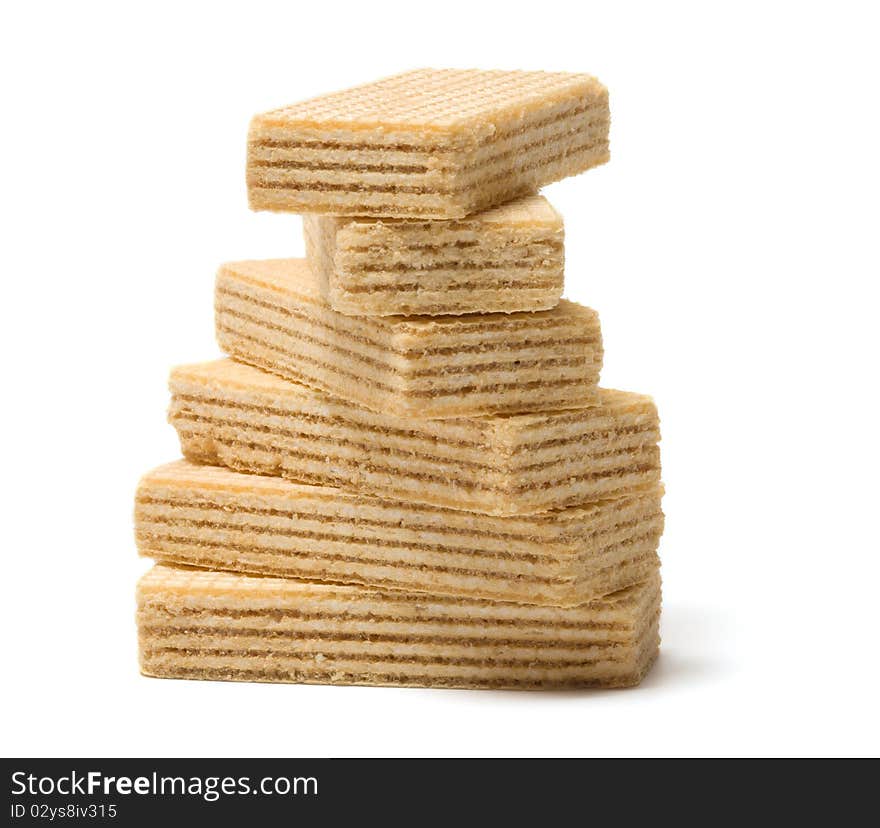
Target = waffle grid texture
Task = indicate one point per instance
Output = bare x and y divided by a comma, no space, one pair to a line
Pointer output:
427,143
407,474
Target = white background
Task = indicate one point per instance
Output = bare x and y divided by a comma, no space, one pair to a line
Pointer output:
731,248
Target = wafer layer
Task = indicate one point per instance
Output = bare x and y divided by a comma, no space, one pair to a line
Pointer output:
506,259
271,314
211,517
427,144
210,625
234,415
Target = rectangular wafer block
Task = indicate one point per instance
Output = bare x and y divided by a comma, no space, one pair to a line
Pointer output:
235,415
210,625
406,474
271,314
431,143
505,259
211,517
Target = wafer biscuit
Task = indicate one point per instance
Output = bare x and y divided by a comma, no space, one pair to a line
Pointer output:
270,314
506,259
211,625
427,144
234,415
219,519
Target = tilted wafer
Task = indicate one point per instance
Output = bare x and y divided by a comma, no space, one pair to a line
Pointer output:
432,143
270,314
232,414
211,517
209,625
506,259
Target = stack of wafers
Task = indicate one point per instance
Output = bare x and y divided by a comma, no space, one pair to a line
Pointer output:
406,472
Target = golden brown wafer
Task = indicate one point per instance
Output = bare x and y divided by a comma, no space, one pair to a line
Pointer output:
271,314
506,259
219,519
209,625
431,143
234,415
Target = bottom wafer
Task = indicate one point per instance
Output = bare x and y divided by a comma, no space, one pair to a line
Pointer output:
216,625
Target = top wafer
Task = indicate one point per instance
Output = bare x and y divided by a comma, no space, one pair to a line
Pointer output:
431,143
